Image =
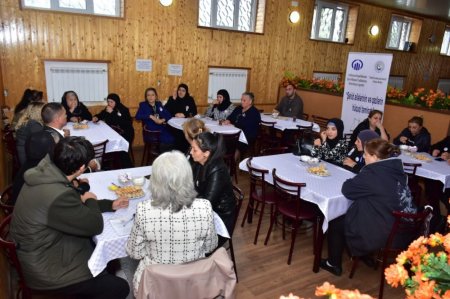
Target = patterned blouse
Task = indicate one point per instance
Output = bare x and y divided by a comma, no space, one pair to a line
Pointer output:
217,114
159,236
335,155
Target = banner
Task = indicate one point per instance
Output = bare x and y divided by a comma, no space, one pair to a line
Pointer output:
366,82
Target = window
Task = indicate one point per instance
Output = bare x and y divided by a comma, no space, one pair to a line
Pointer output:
327,76
113,8
444,86
329,21
445,48
241,15
399,32
396,81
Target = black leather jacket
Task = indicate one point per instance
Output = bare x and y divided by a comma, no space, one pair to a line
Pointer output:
213,182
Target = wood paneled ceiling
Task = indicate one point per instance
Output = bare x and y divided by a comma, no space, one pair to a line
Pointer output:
435,9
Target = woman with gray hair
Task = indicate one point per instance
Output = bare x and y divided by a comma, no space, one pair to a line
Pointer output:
173,227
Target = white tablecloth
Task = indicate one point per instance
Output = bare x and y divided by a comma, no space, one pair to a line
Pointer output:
111,245
99,132
283,123
435,170
212,125
323,191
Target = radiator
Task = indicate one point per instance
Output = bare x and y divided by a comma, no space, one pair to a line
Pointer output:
88,80
233,80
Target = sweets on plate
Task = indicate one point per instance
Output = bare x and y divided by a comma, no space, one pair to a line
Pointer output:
421,157
130,192
320,170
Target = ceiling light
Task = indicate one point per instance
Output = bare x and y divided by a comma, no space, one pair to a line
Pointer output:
294,17
374,30
166,2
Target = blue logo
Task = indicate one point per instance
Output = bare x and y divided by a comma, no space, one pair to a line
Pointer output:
357,64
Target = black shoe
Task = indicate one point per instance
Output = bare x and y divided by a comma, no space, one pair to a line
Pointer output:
335,270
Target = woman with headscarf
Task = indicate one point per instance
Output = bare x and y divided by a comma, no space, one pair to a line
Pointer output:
183,105
355,157
222,107
331,146
117,116
75,110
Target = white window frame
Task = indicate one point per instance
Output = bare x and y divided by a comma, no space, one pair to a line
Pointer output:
213,23
396,81
445,47
316,26
402,20
54,6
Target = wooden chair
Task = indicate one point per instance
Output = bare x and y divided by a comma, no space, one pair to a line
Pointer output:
290,205
321,121
305,116
11,149
274,151
259,194
410,225
99,150
152,141
6,201
267,136
130,148
231,141
239,196
413,181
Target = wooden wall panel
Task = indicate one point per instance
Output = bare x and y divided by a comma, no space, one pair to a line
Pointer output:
170,35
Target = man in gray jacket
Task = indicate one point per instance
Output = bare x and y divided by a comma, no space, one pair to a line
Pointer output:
53,222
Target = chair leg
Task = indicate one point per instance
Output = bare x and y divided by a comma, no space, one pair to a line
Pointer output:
284,228
259,223
293,237
354,265
248,210
383,266
273,217
230,241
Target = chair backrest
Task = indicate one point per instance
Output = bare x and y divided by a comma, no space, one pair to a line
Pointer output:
99,149
287,189
212,277
411,168
275,151
348,137
230,142
151,136
9,247
6,203
239,196
257,177
409,226
305,116
11,149
321,121
413,181
267,129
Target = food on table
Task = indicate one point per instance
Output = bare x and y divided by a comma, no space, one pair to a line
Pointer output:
113,187
130,192
422,157
80,126
320,170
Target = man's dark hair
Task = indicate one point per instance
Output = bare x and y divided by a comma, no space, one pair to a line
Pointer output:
71,153
50,111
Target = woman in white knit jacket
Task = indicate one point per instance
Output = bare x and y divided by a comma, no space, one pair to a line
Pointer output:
174,226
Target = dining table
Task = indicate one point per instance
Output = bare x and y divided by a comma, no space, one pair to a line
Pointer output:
99,132
430,167
111,243
213,125
287,123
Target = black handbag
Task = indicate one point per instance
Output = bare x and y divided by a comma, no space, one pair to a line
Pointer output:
303,146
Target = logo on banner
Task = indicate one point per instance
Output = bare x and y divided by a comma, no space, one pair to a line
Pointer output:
357,64
379,66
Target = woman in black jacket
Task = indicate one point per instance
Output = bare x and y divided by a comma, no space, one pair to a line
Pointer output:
75,110
379,189
373,123
211,177
183,105
415,135
117,116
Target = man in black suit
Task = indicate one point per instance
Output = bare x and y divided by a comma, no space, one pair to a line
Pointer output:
54,118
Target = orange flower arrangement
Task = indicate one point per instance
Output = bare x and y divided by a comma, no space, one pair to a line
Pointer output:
332,292
420,97
423,269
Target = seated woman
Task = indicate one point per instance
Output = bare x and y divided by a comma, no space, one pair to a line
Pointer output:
331,146
222,107
372,122
29,96
183,105
247,118
379,189
212,178
155,116
415,135
75,110
174,227
29,123
355,157
117,116
442,149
